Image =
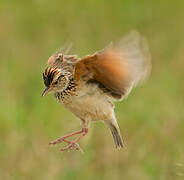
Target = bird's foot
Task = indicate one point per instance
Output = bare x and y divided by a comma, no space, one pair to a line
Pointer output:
71,144
57,141
63,138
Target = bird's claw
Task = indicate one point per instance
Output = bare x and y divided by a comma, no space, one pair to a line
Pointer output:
72,146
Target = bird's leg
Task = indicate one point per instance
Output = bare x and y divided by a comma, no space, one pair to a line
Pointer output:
63,138
74,144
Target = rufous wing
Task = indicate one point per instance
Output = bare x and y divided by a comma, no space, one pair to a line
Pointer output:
118,68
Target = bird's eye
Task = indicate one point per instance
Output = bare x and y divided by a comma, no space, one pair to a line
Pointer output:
55,83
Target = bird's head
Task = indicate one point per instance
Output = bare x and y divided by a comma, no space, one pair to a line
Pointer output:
55,80
57,75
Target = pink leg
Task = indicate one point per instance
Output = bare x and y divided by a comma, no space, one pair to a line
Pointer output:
63,138
84,130
74,143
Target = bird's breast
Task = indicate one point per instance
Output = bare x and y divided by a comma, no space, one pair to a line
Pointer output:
87,101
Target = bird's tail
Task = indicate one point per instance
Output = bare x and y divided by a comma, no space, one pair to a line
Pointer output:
115,131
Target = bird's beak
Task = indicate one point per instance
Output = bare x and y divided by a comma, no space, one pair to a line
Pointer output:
46,91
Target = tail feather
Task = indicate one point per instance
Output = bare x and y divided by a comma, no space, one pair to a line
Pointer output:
116,135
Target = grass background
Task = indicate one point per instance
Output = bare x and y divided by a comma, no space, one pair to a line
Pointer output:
151,119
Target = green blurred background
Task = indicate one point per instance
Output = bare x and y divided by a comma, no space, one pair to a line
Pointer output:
151,119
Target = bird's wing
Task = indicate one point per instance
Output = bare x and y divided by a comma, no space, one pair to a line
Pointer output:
118,68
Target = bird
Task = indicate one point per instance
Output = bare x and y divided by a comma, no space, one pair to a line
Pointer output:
90,86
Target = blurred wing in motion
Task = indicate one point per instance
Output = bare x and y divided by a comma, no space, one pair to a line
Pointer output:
119,67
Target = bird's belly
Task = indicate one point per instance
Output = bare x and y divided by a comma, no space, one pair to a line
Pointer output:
95,106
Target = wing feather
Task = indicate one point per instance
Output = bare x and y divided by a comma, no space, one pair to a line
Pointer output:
118,67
